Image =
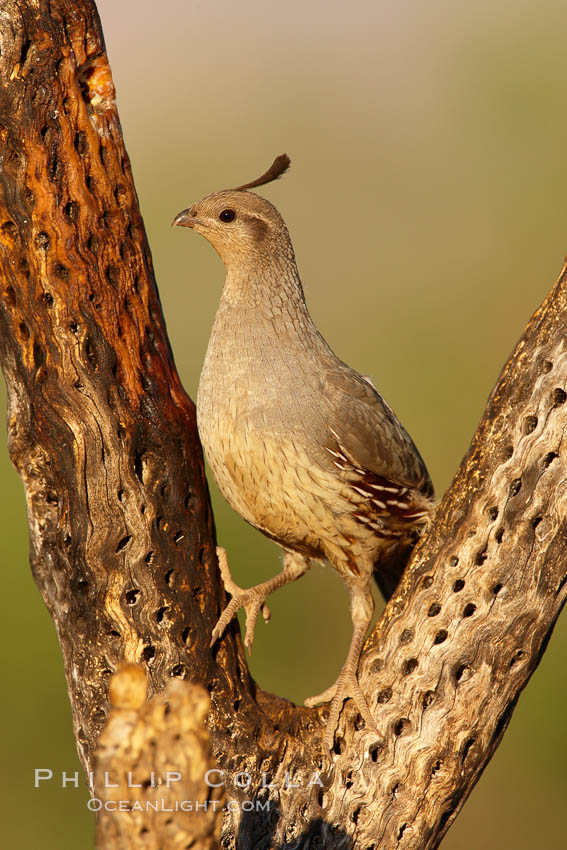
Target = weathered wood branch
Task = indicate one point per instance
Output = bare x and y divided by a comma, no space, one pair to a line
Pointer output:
134,766
122,539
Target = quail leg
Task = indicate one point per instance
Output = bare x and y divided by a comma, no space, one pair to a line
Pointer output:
254,598
347,686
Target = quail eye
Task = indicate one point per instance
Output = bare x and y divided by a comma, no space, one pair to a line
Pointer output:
227,216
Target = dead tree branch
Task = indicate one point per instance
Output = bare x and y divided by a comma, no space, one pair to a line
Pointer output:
122,539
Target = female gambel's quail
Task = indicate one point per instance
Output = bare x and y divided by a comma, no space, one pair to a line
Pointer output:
301,445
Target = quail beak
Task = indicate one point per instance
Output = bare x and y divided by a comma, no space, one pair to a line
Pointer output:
185,219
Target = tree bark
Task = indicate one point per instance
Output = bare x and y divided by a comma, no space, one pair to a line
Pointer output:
121,531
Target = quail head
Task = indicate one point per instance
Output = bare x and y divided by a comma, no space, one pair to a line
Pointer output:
300,445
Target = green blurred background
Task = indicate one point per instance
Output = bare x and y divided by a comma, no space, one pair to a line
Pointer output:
427,207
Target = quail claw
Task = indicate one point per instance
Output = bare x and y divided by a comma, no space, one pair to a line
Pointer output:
252,600
346,687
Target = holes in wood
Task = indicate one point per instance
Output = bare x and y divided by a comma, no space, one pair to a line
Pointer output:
356,813
546,366
558,397
149,558
493,513
434,609
374,750
48,299
436,767
185,634
38,355
26,44
198,595
139,466
409,666
42,241
427,581
9,228
62,272
458,586
132,595
148,653
518,655
162,613
453,561
150,336
54,167
515,487
440,637
376,666
169,577
481,557
400,726
81,143
469,609
549,458
384,696
123,543
428,699
120,194
24,330
113,276
337,746
401,831
90,353
462,673
406,636
468,745
11,296
99,715
529,424
503,720
536,521
180,671
71,210
24,268
497,588
445,817
178,537
499,536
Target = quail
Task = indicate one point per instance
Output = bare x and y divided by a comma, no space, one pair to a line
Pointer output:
301,446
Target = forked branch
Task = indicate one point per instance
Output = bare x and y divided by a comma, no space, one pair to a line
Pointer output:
122,540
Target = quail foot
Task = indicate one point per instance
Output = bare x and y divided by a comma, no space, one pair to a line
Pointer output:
300,445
